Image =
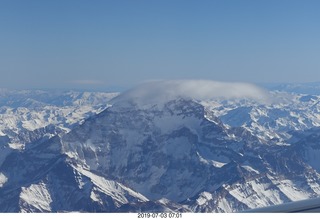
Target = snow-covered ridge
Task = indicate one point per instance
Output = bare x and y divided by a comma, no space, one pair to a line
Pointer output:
270,122
25,112
199,153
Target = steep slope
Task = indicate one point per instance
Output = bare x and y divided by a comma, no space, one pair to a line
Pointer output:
182,152
28,118
146,148
307,143
168,154
42,179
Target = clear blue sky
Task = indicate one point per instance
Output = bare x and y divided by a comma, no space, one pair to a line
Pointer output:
109,44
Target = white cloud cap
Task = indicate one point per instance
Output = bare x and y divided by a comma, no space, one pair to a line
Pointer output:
158,92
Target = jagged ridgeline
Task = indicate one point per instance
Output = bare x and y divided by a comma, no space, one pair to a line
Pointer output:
164,146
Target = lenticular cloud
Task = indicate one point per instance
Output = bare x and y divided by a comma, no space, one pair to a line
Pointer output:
163,91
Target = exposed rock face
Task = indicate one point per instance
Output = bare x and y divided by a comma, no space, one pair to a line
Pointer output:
180,155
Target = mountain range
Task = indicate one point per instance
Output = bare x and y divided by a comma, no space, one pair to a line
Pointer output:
108,152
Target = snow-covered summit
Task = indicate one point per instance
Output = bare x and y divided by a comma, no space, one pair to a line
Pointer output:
188,150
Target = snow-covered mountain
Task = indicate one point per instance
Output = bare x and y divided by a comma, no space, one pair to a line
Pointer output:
312,88
270,122
179,154
27,116
184,153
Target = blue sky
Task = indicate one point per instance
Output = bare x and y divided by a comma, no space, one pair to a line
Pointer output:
115,44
